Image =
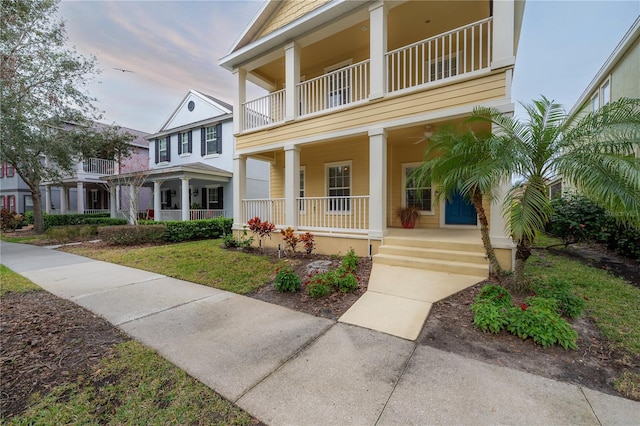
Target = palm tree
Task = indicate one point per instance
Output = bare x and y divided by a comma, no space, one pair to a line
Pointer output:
594,152
467,163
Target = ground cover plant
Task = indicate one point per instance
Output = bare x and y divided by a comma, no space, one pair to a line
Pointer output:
60,364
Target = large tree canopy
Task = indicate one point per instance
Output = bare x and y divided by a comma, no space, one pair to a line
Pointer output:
45,110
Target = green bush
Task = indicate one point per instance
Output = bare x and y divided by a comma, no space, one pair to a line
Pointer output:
317,290
105,221
350,261
496,295
28,216
70,219
127,235
568,304
287,280
71,232
542,324
490,317
10,220
197,229
626,241
345,281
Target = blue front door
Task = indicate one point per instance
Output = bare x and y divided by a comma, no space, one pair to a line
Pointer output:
458,211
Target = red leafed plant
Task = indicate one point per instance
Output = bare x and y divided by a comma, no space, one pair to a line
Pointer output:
308,241
260,228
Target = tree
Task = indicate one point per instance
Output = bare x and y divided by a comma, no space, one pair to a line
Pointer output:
46,117
593,151
132,174
464,162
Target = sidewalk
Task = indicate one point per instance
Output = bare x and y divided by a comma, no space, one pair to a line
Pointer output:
285,367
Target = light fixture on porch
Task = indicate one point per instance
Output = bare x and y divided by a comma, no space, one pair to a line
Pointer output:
195,192
173,192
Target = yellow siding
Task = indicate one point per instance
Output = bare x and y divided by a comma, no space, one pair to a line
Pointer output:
289,12
624,78
469,92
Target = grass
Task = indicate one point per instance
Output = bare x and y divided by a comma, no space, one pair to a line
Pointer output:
133,386
21,239
202,262
14,283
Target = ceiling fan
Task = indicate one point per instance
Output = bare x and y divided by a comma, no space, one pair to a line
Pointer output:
427,134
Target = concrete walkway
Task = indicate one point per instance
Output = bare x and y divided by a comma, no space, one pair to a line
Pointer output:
285,367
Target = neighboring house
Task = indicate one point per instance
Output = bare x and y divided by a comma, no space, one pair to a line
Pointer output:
84,190
354,90
619,77
191,162
14,192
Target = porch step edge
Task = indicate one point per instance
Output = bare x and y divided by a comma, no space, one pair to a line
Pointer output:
455,267
474,257
431,243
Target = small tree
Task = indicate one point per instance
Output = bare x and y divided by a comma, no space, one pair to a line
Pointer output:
133,175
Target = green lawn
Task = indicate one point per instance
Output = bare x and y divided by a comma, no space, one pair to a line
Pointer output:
15,283
202,262
134,386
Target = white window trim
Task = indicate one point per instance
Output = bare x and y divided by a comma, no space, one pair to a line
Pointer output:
327,166
207,141
160,150
606,82
212,156
185,152
404,189
595,101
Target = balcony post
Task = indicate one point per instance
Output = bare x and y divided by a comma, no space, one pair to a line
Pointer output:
113,212
292,79
80,198
184,201
239,189
157,200
292,185
47,199
64,193
378,48
503,34
239,98
377,183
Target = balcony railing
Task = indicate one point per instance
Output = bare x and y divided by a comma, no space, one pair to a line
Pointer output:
263,111
269,209
457,52
99,166
334,214
328,214
338,88
197,214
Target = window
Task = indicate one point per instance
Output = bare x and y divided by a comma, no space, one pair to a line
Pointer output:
211,140
444,67
8,170
595,102
11,203
606,92
420,197
94,199
28,203
339,186
165,198
162,149
302,185
214,198
184,143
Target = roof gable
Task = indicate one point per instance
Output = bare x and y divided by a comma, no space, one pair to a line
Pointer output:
195,107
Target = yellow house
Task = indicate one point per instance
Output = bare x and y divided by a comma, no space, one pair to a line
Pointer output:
353,91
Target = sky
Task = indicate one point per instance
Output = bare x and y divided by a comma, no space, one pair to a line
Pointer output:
174,46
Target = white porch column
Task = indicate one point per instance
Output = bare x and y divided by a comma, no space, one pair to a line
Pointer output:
292,78
133,214
378,48
377,183
118,192
184,208
497,224
503,34
291,185
80,198
239,189
157,200
239,98
64,194
113,212
47,199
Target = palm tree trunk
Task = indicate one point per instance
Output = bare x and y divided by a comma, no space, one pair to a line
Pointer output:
484,232
519,284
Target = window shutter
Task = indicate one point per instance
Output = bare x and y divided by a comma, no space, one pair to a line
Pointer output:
205,205
219,138
2,170
220,200
169,148
168,198
190,141
179,143
157,144
203,141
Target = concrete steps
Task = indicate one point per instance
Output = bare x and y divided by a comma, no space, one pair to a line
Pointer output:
450,256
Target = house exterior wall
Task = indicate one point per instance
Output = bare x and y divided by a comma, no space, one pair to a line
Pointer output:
625,77
290,11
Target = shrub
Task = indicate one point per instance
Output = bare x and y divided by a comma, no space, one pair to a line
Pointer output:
71,232
290,239
345,281
489,317
317,290
542,324
496,295
260,228
70,219
350,261
626,241
244,242
10,220
575,219
127,235
287,280
568,304
177,231
308,240
105,221
29,217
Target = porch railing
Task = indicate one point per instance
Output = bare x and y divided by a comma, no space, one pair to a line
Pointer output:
263,111
341,87
457,52
269,209
90,211
197,214
334,214
99,166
